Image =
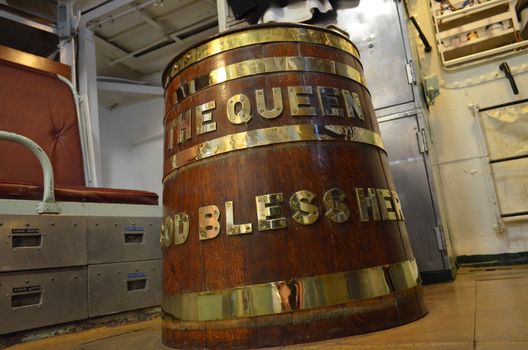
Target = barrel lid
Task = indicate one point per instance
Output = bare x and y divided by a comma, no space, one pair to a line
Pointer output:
241,37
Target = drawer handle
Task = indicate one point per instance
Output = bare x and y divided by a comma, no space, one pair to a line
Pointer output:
132,238
133,234
26,240
26,299
137,284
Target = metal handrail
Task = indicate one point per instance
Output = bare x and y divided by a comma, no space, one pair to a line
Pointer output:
48,204
84,134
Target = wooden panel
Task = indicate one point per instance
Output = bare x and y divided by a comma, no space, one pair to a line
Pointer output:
8,54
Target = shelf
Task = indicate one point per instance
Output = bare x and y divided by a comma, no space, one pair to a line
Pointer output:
473,26
476,31
515,47
510,33
469,9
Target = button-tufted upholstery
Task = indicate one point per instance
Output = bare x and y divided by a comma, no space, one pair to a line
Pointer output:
40,107
36,104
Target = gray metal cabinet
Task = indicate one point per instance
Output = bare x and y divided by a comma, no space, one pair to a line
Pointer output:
406,147
379,30
375,28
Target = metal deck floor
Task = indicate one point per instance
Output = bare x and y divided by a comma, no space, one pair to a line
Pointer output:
484,309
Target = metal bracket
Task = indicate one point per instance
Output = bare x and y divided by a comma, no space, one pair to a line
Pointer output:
65,22
411,74
431,88
421,136
48,208
439,235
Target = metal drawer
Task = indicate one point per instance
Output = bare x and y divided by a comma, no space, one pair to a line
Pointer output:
115,239
40,242
42,298
125,286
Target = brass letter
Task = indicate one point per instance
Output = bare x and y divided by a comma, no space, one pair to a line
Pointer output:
268,214
208,224
169,137
244,114
184,126
328,101
167,230
336,210
181,228
305,212
300,103
364,203
384,199
352,105
277,103
231,228
397,206
204,118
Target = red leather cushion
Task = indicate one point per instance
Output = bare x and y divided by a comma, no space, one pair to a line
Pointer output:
17,190
39,106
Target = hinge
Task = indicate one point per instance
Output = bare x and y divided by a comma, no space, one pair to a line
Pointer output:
423,146
440,241
411,74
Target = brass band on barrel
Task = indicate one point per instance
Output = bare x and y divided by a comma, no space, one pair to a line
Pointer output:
298,294
271,136
258,36
268,65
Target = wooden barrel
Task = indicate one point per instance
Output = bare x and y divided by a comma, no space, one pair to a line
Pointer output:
281,220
